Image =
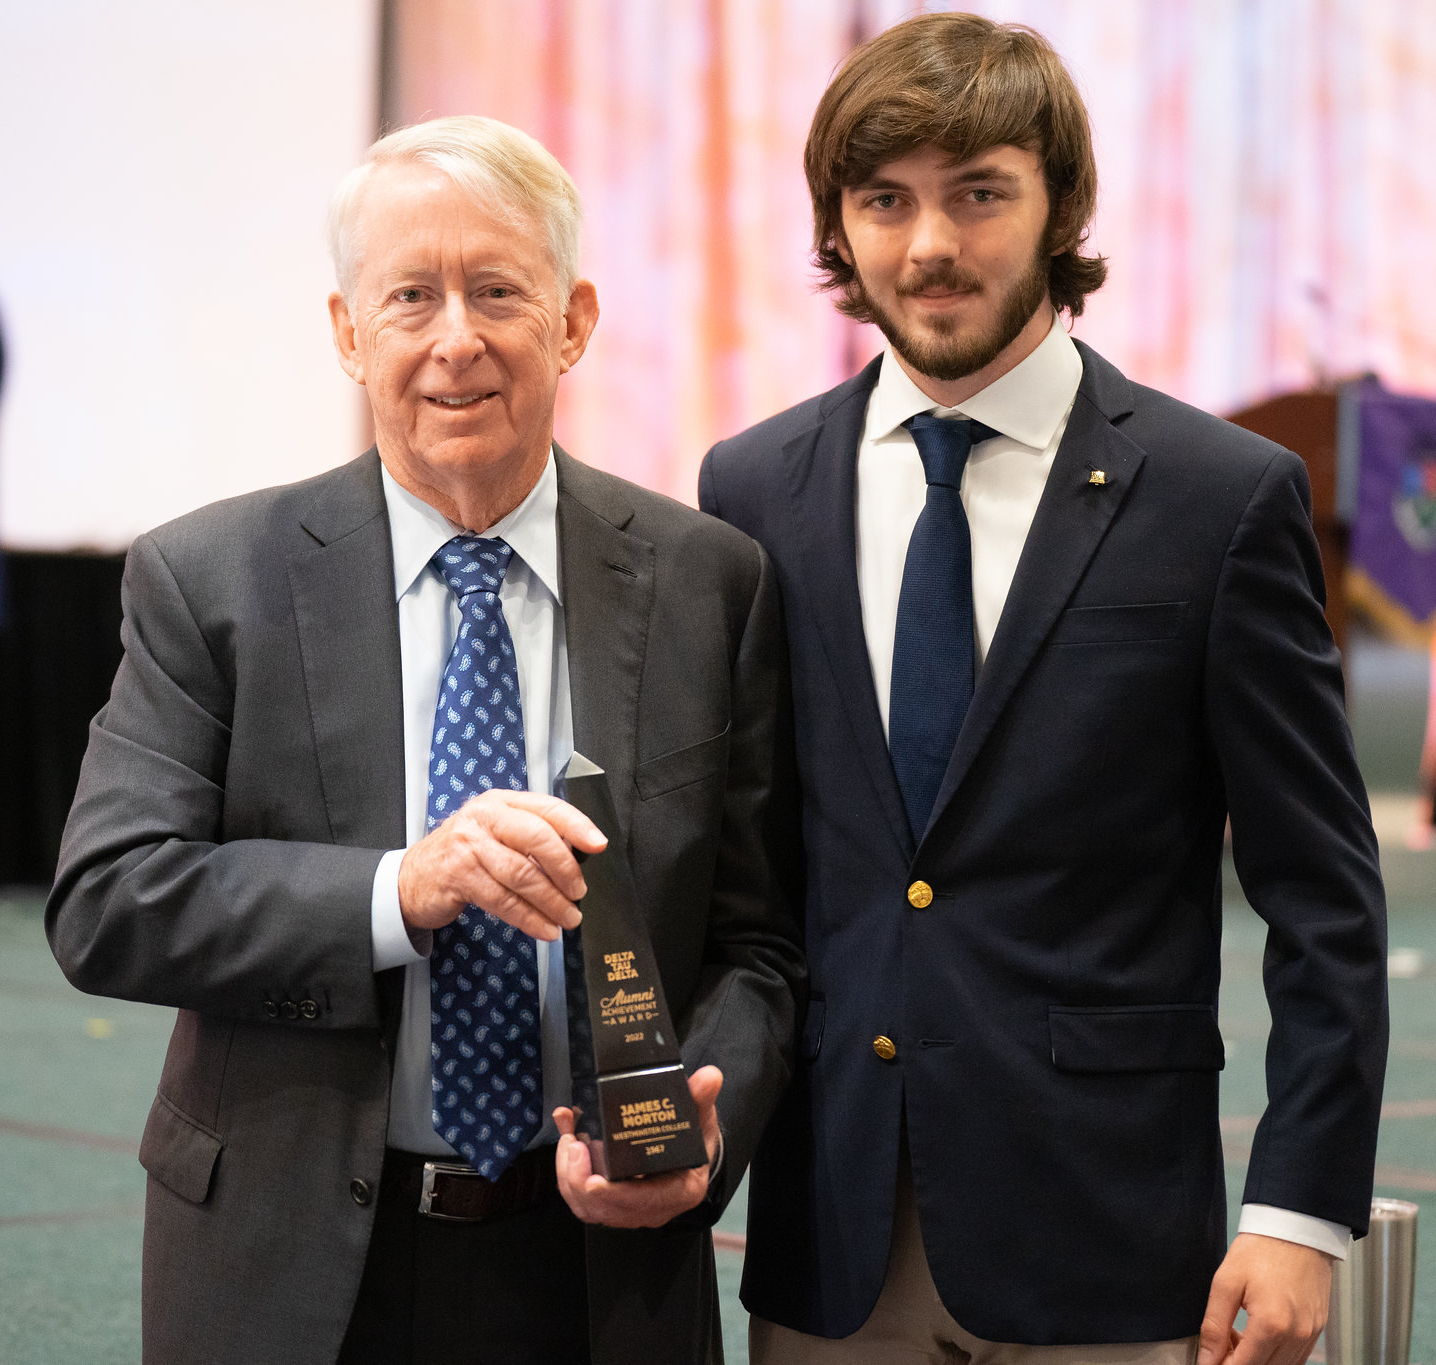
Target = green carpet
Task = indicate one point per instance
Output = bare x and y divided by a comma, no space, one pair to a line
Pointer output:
77,1074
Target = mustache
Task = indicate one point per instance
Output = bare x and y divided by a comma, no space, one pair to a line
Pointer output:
948,276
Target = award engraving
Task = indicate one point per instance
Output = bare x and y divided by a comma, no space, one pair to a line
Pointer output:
645,1120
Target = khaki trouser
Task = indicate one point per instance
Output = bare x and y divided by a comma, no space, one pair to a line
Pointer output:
910,1326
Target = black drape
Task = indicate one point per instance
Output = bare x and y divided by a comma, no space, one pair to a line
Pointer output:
59,648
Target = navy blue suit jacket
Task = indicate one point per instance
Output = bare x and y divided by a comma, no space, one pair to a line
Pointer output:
1162,663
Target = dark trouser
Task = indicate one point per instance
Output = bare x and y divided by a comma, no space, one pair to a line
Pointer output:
508,1290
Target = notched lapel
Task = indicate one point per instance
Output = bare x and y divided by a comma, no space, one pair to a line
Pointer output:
821,470
344,612
606,580
1072,517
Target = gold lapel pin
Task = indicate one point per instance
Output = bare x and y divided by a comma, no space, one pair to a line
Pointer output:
1097,477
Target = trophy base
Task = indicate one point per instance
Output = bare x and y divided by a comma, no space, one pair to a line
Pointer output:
649,1124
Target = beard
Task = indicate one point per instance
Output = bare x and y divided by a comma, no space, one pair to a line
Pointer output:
941,351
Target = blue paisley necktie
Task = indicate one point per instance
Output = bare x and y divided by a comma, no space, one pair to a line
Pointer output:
484,1004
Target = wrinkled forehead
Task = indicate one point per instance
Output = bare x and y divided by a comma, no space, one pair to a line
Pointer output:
411,192
411,210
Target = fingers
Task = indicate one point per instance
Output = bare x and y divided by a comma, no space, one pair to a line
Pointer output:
572,826
574,1166
563,1118
510,853
649,1202
1217,1337
1273,1341
1271,1347
528,836
704,1085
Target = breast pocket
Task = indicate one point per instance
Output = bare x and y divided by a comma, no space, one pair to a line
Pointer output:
1129,623
683,767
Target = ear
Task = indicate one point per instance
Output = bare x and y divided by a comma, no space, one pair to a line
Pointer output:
840,245
1059,234
345,342
579,322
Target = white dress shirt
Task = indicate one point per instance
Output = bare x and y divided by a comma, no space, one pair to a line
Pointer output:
1001,487
428,625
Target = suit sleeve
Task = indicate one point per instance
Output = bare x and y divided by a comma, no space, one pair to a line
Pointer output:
151,901
743,1015
708,485
1306,856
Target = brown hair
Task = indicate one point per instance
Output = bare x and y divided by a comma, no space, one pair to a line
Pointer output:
961,83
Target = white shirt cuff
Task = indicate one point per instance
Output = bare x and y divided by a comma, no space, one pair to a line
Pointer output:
394,945
1332,1238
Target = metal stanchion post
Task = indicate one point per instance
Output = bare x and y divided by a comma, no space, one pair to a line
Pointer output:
1373,1289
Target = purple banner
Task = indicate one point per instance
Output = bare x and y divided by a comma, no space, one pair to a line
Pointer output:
1393,537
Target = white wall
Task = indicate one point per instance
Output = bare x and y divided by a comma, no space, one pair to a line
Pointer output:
164,171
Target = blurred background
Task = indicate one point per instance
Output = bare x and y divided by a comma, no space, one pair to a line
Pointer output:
1268,208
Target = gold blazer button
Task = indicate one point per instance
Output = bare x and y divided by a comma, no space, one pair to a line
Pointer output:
919,895
885,1047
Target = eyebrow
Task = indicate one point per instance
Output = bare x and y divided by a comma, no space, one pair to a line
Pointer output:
424,272
966,176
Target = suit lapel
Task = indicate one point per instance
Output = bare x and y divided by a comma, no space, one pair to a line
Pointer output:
821,469
1072,517
343,593
606,580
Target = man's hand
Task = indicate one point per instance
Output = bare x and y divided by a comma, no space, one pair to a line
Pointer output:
1286,1290
509,853
648,1201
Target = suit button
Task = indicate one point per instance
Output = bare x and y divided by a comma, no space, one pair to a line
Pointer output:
289,1009
885,1047
360,1192
308,1009
271,1010
919,895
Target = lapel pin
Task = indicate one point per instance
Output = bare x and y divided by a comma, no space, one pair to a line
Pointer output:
1097,477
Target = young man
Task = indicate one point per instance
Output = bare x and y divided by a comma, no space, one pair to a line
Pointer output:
1049,630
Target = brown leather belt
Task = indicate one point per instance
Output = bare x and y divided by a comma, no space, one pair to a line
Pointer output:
443,1189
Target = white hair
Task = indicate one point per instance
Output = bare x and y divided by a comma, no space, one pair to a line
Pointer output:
504,170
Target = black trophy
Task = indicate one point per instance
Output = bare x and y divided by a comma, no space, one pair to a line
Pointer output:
645,1120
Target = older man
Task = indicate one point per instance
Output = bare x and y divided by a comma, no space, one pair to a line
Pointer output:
278,831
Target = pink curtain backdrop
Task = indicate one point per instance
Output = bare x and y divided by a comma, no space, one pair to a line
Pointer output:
1268,199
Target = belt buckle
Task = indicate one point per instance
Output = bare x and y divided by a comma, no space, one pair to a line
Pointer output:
432,1170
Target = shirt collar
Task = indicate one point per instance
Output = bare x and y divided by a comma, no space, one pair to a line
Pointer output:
1028,403
416,530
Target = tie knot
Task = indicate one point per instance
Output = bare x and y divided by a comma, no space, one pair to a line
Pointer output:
944,444
470,564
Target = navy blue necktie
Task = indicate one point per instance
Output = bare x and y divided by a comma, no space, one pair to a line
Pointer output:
933,651
484,1003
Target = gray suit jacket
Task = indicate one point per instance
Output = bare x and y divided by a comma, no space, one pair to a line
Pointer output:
239,790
